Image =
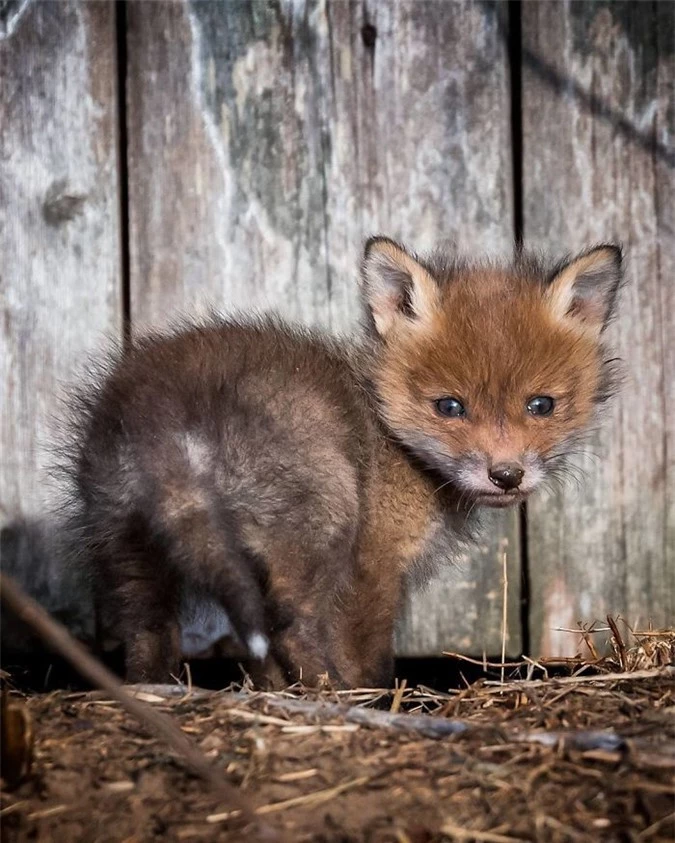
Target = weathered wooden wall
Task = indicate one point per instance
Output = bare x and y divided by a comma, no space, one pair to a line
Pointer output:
264,141
60,286
599,164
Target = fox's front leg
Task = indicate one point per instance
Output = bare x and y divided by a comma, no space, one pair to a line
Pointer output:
306,573
365,649
304,652
302,631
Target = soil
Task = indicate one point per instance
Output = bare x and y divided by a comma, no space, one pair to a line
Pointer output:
550,760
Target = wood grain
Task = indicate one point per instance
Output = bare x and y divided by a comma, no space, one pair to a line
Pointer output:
266,140
599,127
60,271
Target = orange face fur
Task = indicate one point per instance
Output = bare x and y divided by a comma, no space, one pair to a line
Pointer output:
462,351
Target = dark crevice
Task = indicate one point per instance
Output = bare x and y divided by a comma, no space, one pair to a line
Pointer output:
525,585
123,169
515,49
123,191
326,142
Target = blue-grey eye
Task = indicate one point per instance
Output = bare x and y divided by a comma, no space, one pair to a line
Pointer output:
540,405
450,407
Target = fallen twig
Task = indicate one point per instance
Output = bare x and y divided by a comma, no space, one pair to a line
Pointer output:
427,725
422,724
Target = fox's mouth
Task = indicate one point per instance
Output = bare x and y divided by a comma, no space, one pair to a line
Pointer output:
500,499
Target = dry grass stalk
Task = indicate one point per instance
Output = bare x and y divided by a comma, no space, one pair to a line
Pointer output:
398,696
630,650
297,776
505,595
314,798
484,663
13,807
601,678
468,834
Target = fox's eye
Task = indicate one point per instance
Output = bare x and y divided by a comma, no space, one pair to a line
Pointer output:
540,405
450,407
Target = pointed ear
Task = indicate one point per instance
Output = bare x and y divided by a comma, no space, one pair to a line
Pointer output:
396,287
585,288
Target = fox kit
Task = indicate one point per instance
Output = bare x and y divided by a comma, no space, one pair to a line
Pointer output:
302,483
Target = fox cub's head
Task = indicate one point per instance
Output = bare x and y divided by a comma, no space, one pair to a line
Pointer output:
489,374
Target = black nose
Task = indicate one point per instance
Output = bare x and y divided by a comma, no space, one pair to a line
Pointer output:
506,475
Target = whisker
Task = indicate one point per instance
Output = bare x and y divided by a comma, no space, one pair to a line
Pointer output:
442,486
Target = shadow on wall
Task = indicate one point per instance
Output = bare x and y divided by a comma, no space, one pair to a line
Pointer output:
30,551
642,39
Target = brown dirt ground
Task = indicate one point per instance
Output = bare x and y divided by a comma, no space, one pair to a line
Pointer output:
97,775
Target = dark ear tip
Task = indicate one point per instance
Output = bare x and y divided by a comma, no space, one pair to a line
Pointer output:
376,240
615,248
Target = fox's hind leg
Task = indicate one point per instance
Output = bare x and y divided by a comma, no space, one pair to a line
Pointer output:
203,549
144,599
152,635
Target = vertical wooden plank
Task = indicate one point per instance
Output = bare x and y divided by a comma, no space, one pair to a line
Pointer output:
268,139
59,276
599,124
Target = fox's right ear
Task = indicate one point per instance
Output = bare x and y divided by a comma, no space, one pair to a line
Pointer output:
585,288
397,288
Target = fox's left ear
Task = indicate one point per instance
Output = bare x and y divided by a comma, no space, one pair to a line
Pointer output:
585,288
